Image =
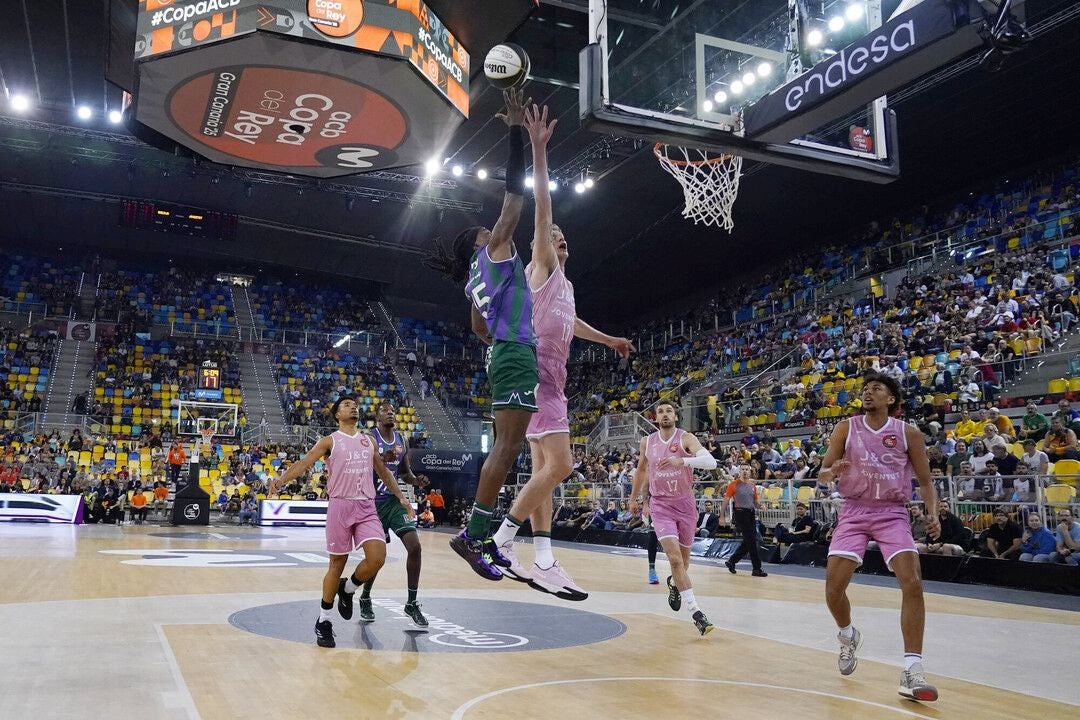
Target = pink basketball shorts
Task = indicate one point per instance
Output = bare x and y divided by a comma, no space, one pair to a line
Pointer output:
674,517
551,417
351,523
888,526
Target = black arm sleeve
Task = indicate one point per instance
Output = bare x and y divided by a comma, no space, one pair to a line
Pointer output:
515,161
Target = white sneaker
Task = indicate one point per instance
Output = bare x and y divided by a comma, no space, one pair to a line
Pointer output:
516,571
848,660
913,685
555,581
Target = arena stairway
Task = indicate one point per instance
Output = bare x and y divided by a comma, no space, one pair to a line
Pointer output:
443,425
70,376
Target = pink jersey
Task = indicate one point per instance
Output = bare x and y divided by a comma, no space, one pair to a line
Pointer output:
669,482
880,471
553,315
351,467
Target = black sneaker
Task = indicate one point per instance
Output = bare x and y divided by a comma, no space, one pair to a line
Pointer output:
730,566
476,555
760,573
413,611
344,601
674,599
324,634
367,613
702,623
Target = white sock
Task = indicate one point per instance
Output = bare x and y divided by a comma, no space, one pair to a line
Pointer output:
848,632
507,531
542,550
910,659
324,614
350,586
689,601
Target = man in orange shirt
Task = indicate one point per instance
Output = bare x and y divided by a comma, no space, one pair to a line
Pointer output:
437,504
176,460
138,507
161,495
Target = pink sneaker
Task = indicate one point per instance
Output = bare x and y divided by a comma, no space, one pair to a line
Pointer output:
515,571
555,581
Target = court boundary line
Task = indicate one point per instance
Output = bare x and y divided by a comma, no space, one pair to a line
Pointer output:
459,713
187,702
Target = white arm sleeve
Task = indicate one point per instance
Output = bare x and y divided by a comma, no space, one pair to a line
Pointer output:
702,460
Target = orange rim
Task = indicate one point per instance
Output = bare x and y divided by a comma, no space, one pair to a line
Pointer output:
689,163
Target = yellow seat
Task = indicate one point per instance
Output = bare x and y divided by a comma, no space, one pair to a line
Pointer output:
805,494
772,494
1074,384
1057,386
710,491
1058,494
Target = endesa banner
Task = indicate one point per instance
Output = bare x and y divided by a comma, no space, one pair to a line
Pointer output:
309,513
65,509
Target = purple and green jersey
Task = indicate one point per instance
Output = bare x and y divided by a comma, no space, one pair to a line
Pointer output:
501,294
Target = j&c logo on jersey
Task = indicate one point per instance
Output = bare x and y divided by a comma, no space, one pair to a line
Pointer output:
673,447
889,441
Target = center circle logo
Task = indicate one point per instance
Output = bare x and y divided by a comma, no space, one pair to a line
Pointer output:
336,18
455,625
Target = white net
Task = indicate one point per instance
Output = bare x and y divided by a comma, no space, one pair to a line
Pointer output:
710,182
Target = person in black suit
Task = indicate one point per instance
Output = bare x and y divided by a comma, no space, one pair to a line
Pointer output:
707,521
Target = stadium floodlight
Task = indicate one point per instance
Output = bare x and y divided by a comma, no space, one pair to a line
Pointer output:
579,187
528,181
458,171
84,112
736,87
552,185
589,182
720,96
836,23
854,12
748,79
432,166
115,116
707,106
764,69
482,174
814,38
20,103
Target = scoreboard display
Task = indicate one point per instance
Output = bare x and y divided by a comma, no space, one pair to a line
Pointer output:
178,219
209,386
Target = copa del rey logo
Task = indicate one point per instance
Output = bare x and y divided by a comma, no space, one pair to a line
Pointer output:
432,460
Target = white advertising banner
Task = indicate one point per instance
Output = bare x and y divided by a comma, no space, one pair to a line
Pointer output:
17,507
311,513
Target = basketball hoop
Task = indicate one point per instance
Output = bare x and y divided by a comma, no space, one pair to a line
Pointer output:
206,437
710,182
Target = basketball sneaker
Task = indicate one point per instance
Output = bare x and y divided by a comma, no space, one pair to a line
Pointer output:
413,611
556,581
848,660
913,685
324,634
653,580
674,599
495,552
344,600
475,553
702,623
515,570
367,613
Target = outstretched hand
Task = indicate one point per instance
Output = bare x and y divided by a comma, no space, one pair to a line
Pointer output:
622,347
515,107
536,122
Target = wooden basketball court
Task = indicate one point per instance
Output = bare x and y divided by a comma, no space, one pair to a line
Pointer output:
101,621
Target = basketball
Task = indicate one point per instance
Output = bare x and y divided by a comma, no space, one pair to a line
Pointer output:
506,66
